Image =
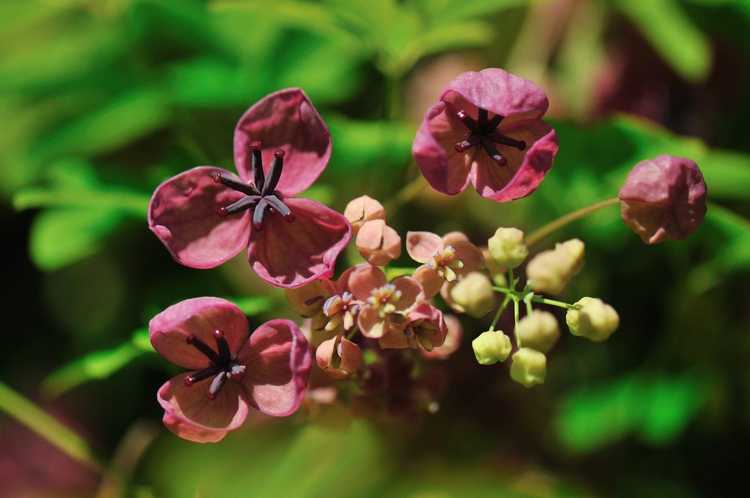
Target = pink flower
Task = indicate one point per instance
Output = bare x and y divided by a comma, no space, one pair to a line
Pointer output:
445,259
338,357
425,328
207,215
378,243
330,303
384,304
452,340
487,129
230,369
663,199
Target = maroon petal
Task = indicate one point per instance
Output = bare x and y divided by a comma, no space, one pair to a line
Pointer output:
524,171
278,361
191,414
184,214
499,92
446,170
663,199
291,254
285,120
198,317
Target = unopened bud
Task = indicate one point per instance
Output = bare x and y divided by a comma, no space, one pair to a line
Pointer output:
550,271
491,347
595,320
507,248
497,272
473,294
361,210
378,243
529,367
663,199
338,357
538,330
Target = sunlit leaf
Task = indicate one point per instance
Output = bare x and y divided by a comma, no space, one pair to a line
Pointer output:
363,143
97,365
62,236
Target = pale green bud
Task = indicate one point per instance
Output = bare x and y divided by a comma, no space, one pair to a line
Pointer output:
506,247
491,347
473,294
538,331
550,271
529,367
595,320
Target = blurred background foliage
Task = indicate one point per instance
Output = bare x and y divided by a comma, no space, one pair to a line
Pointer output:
102,100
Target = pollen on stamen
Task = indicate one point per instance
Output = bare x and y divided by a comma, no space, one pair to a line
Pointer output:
279,153
255,145
222,211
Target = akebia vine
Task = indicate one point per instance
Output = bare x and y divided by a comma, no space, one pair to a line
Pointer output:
487,130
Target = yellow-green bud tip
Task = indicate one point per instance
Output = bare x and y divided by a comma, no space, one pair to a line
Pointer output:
491,347
506,248
595,320
529,367
538,331
473,294
550,271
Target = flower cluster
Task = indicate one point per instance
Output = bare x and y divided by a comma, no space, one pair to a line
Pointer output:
487,130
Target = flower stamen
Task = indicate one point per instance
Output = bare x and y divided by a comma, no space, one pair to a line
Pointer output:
483,132
223,365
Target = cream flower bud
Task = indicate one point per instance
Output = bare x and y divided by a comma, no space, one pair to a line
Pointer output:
378,243
550,271
595,320
529,367
538,331
491,347
497,272
473,294
361,210
507,248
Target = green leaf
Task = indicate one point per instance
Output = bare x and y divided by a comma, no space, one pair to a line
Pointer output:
124,201
364,143
253,305
671,32
62,236
657,407
109,126
451,11
97,365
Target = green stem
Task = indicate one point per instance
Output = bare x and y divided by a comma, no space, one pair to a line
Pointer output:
554,302
46,426
500,311
537,235
516,313
406,194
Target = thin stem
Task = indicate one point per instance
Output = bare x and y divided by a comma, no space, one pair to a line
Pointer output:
407,193
554,302
516,312
537,235
500,311
46,426
529,308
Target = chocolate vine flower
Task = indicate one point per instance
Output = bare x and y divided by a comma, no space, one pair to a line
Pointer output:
229,368
384,304
663,198
425,329
487,129
207,215
444,259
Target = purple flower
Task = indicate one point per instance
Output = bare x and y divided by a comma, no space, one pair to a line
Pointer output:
207,215
663,198
229,368
487,129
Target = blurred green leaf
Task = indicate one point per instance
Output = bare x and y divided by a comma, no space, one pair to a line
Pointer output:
253,305
451,11
672,34
656,407
363,143
97,365
113,124
60,237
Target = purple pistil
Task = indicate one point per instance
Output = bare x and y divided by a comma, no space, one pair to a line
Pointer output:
483,133
261,195
223,365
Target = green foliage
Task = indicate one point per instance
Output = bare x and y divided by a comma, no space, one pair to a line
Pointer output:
655,407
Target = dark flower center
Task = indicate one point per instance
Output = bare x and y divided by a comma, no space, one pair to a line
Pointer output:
262,196
483,133
223,365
